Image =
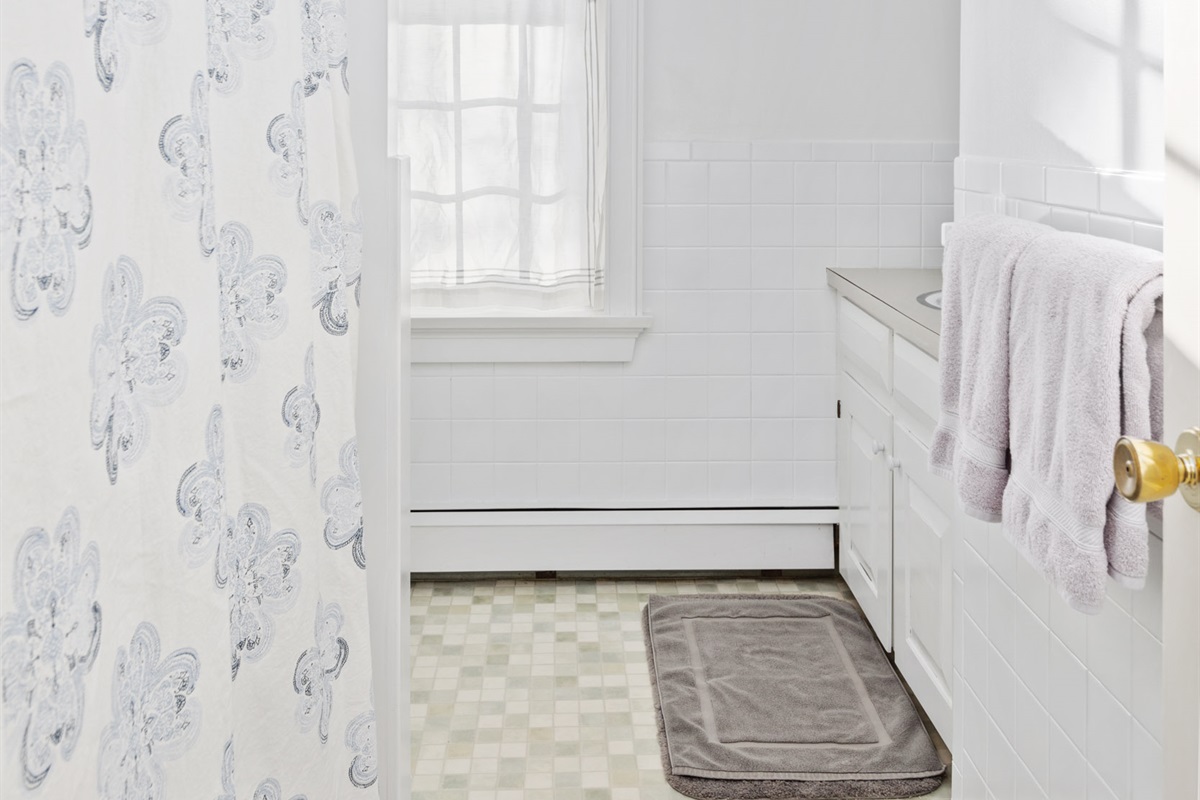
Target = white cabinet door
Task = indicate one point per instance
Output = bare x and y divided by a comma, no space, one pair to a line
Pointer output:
865,488
924,558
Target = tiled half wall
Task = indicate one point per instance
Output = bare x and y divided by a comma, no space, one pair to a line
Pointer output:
729,400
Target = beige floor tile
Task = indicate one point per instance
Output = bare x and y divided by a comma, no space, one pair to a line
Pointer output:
539,690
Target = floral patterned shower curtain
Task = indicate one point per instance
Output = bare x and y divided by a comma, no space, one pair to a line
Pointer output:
183,607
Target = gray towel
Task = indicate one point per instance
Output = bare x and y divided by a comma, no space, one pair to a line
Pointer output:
970,445
1085,359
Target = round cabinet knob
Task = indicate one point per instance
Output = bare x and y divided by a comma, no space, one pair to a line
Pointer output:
1147,471
893,463
877,448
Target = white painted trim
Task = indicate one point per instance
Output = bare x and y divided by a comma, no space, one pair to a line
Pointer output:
383,394
1181,276
622,540
445,339
625,60
382,415
631,516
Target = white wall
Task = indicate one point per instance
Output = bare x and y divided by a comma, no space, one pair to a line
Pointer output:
816,70
1074,83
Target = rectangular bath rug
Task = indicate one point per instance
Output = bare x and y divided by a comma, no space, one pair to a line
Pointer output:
781,696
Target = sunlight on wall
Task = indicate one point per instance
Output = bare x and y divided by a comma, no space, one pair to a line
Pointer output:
1073,83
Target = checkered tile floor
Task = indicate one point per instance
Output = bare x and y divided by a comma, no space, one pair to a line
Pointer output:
538,690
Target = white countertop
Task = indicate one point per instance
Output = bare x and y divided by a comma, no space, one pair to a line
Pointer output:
890,295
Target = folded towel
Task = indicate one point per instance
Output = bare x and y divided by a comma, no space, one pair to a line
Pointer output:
1085,359
970,444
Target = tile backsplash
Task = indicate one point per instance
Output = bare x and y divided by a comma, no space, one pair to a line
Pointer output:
1116,205
1048,702
729,400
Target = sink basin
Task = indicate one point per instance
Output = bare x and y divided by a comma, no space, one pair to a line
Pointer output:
931,299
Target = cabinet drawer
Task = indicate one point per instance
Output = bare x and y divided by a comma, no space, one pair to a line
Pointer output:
866,342
915,384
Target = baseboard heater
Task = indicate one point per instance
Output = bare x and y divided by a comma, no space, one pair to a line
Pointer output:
596,540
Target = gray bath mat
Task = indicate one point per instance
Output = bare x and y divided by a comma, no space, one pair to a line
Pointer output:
769,696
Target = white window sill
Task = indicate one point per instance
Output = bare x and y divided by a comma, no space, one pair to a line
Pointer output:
501,339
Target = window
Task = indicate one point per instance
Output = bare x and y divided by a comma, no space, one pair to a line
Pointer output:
520,120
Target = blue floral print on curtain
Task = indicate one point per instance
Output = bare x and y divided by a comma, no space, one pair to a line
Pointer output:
185,145
228,791
317,668
200,498
341,499
259,567
116,23
285,137
237,29
46,206
252,305
336,243
253,567
270,789
360,740
155,717
48,643
323,28
302,415
152,306
134,364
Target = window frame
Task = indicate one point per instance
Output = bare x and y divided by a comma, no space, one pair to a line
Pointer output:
608,334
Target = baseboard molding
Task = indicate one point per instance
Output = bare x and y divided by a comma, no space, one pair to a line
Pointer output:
622,540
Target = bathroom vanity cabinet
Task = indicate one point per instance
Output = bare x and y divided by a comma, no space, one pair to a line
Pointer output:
896,517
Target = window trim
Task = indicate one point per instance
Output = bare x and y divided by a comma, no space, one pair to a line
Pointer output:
493,339
607,335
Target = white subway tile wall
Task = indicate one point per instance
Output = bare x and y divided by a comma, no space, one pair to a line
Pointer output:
1050,703
1116,205
729,400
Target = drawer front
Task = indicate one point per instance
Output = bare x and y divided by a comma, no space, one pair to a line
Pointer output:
866,342
915,384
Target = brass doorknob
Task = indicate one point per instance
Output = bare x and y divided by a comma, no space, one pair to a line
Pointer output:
1148,471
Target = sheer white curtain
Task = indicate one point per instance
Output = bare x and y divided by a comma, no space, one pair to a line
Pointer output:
501,106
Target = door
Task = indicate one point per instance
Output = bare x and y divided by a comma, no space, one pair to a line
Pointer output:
924,570
1181,309
865,518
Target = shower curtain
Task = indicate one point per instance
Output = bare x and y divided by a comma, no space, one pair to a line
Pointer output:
183,606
